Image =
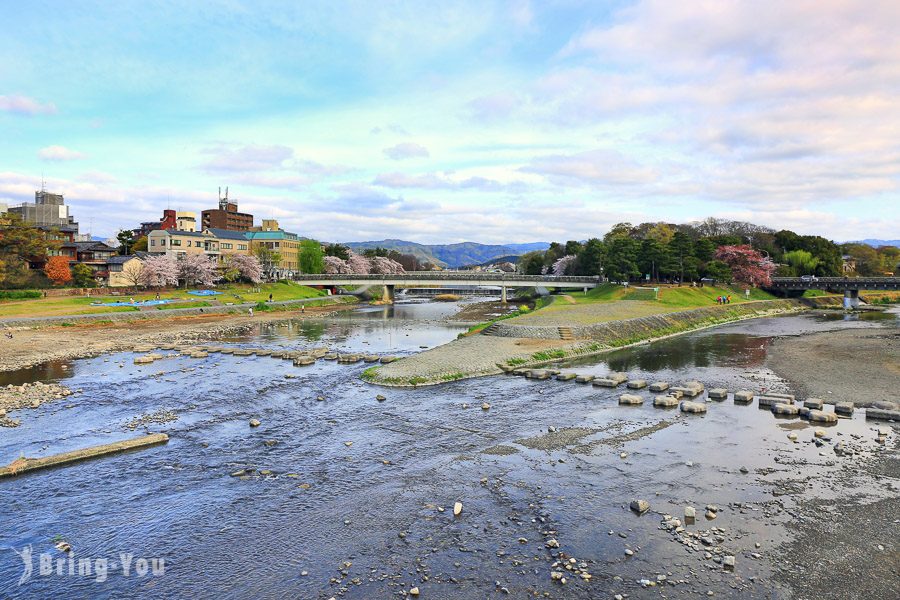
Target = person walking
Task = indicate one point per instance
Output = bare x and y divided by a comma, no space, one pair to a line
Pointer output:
251,311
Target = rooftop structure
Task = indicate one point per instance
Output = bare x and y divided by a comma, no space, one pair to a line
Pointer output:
47,210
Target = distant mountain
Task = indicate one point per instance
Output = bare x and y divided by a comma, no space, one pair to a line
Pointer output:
451,255
876,243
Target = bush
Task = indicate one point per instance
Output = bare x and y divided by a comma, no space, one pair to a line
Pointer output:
19,294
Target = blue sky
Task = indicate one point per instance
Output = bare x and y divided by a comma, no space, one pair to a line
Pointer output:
504,121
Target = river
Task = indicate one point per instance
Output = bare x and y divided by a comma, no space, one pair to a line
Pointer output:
352,504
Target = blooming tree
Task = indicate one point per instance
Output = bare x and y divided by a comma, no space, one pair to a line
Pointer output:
57,270
159,271
336,266
386,266
359,265
244,266
564,265
748,267
197,269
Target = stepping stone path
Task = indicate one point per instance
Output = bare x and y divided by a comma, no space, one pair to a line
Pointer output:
636,384
584,379
538,374
718,393
665,401
814,403
566,376
743,396
788,410
608,383
770,401
819,416
844,408
690,388
688,406
659,386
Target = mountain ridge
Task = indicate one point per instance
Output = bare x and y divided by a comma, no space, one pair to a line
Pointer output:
450,255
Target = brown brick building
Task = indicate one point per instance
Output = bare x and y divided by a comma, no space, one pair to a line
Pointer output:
226,216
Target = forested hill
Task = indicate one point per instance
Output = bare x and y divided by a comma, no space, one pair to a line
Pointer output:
450,255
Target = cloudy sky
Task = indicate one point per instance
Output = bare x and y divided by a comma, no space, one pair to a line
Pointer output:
506,121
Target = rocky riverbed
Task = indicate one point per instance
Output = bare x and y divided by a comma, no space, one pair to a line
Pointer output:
28,396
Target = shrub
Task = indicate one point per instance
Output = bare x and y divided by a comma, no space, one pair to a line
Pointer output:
19,294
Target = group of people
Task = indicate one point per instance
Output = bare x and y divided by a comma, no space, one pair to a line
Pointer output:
723,299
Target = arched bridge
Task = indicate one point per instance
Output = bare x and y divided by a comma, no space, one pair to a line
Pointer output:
850,285
451,278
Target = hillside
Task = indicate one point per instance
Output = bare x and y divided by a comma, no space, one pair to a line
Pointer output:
451,255
878,243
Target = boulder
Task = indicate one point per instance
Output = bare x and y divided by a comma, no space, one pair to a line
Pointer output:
718,393
255,423
636,384
457,509
640,506
584,379
844,409
665,401
820,416
631,399
814,403
743,396
659,386
786,410
688,406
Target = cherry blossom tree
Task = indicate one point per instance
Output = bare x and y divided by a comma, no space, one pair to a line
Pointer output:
159,271
336,266
748,267
198,269
563,265
359,265
244,266
386,266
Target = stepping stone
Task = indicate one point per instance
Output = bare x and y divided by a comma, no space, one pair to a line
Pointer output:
665,401
769,401
659,386
844,409
566,376
690,388
617,377
553,372
584,379
304,361
718,393
199,354
608,383
636,384
820,416
242,352
693,407
814,403
676,394
786,410
277,354
384,359
520,371
263,352
371,358
883,414
330,356
537,374
743,396
227,350
782,396
631,399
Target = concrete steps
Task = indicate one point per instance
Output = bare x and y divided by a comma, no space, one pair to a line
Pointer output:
491,330
565,333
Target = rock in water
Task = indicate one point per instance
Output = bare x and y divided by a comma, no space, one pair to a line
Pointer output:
693,407
485,406
457,509
690,512
820,416
380,398
255,423
414,591
640,506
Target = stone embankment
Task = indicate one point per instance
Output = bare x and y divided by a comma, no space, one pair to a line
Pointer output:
511,344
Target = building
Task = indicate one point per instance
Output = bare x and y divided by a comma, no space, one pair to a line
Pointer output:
226,216
47,211
123,271
173,242
274,239
171,219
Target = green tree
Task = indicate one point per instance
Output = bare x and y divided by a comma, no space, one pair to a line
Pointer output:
682,250
531,263
704,249
268,258
621,258
21,243
591,258
82,276
652,256
718,270
572,247
619,230
126,241
800,262
312,259
338,250
139,245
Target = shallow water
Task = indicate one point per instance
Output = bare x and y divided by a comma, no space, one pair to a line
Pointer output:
228,537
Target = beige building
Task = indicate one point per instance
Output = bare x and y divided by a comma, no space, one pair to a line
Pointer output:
287,245
185,220
123,271
211,242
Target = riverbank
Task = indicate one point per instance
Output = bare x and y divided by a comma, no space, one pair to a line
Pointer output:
518,343
41,342
852,365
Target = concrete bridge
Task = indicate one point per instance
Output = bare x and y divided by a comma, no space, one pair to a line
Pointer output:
850,285
451,278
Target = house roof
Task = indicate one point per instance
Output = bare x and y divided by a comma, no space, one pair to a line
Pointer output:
81,246
120,260
227,234
271,235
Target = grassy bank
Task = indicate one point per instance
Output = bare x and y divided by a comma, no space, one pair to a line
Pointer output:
80,305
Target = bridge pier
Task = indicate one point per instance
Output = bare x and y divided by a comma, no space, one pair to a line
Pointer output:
851,299
503,294
388,296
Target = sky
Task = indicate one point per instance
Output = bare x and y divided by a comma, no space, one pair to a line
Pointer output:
439,122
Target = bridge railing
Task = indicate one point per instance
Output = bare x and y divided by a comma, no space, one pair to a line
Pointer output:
451,275
834,280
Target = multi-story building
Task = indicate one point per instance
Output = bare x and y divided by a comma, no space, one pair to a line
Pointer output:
276,240
47,211
171,219
226,216
177,243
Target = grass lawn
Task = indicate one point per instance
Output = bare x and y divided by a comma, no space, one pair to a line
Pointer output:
78,305
611,302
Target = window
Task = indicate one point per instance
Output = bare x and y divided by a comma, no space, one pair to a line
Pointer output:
176,242
240,246
225,246
152,242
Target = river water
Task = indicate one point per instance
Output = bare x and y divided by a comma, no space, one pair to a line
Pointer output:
352,506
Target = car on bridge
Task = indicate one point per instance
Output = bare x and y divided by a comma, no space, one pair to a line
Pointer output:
809,278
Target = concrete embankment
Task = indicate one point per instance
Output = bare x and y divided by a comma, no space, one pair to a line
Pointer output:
23,465
527,345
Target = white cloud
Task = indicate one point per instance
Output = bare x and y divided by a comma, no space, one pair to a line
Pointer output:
23,105
59,154
406,150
